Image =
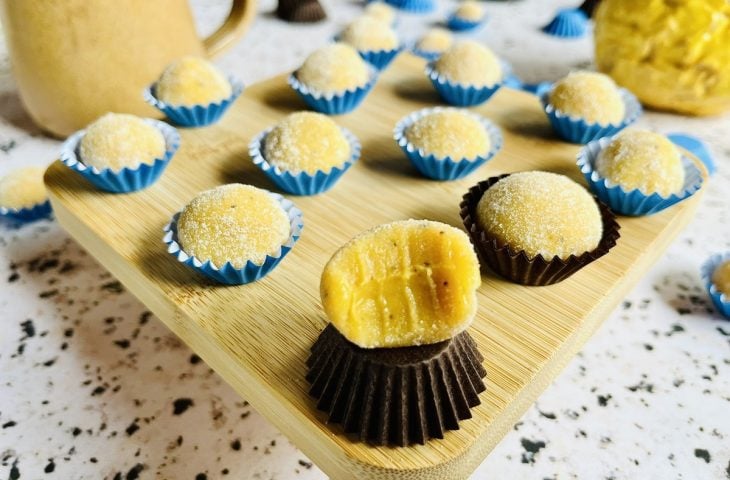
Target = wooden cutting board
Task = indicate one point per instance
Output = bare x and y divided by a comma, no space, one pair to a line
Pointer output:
257,336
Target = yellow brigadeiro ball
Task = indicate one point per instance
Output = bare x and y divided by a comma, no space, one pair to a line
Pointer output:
435,40
642,159
334,68
469,63
541,213
368,33
233,223
721,277
400,284
591,96
449,132
381,11
119,140
192,81
306,141
23,188
469,10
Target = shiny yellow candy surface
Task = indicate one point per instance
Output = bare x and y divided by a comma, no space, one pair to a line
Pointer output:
401,284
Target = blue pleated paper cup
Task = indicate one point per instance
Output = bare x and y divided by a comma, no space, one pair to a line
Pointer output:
577,130
28,214
194,115
458,94
445,168
333,103
302,183
567,23
380,59
413,6
719,299
633,202
458,24
428,55
127,179
228,274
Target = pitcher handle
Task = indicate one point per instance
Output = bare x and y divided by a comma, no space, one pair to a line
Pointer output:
240,16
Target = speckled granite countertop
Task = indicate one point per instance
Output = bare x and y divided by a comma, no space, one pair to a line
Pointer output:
93,386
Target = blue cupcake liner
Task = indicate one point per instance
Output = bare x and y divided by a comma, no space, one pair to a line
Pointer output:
459,94
194,115
413,6
444,168
577,130
633,202
425,54
302,183
228,274
126,179
719,299
458,24
333,103
380,59
568,23
697,147
28,214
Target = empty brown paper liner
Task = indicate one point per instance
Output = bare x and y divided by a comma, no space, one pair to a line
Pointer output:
300,11
517,266
395,396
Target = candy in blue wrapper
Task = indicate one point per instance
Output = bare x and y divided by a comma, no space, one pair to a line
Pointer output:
445,168
633,202
333,103
28,214
302,183
577,130
198,115
568,23
459,94
126,179
413,6
228,274
720,300
380,59
458,24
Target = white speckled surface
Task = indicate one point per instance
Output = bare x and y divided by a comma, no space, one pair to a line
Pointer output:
92,386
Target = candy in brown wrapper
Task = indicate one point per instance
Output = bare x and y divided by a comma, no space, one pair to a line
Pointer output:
300,11
517,266
395,396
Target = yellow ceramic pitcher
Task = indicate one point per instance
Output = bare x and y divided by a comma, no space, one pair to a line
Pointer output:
74,60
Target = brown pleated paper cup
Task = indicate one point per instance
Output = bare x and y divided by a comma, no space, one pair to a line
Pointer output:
395,396
517,266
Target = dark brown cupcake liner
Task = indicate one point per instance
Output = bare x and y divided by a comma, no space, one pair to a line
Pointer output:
395,396
300,11
516,265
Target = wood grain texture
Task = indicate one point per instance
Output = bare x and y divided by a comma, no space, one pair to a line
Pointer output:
257,336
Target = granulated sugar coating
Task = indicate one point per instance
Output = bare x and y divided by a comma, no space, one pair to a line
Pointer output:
642,159
306,141
449,133
591,96
191,81
435,40
470,63
119,140
380,11
23,188
541,213
721,277
400,284
334,68
368,33
233,223
470,10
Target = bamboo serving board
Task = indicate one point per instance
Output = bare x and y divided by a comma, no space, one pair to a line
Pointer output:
257,336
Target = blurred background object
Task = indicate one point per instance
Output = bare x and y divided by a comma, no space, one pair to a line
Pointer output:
673,55
300,11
